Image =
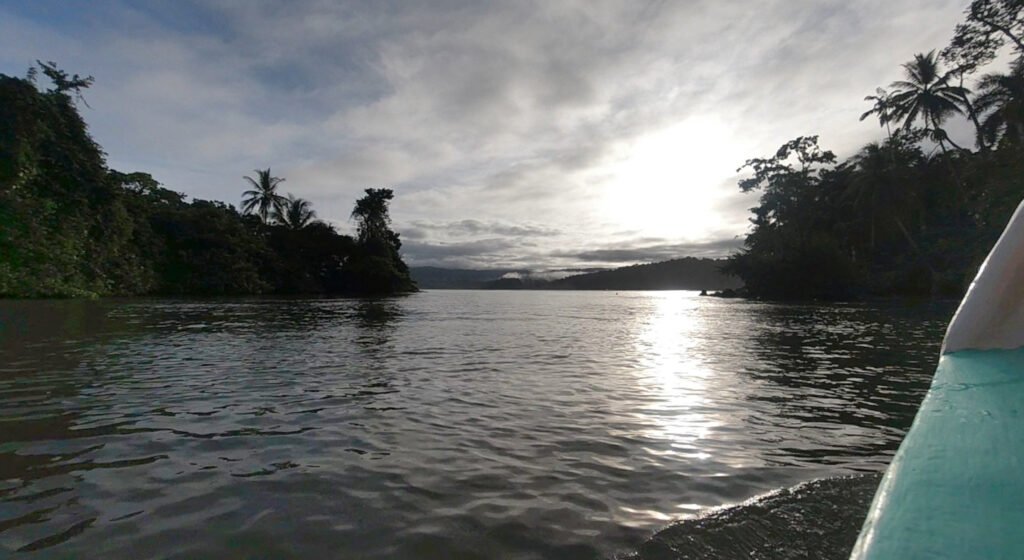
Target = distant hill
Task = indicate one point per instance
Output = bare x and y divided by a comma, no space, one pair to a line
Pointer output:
680,274
435,278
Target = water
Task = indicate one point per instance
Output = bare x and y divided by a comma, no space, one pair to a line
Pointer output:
446,424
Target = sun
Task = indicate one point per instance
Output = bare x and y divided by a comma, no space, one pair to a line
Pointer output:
666,183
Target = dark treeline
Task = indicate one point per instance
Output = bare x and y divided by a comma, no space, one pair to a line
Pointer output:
70,226
914,213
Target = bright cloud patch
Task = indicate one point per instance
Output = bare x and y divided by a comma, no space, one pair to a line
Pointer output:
523,135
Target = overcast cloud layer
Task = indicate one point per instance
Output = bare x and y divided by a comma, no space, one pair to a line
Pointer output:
515,134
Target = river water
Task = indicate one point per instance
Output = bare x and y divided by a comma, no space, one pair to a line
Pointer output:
445,424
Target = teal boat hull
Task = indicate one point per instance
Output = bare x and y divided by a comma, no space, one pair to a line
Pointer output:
955,488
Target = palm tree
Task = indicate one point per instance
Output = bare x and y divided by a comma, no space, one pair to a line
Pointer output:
294,213
927,94
883,108
262,199
1002,97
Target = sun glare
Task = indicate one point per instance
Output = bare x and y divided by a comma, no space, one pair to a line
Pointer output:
667,340
664,184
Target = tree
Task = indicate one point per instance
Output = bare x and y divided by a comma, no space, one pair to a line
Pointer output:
371,213
788,191
883,108
61,219
375,265
209,250
792,251
262,199
928,95
62,83
294,213
1002,97
988,26
71,226
883,189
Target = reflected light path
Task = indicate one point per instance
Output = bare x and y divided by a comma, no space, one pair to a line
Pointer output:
668,345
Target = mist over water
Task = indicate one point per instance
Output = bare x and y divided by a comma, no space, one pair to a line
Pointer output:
445,424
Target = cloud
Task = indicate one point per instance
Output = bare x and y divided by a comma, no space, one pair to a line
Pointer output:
481,253
477,227
629,253
506,129
500,252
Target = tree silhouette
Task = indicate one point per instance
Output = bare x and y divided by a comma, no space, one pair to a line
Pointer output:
787,190
988,26
883,108
927,95
61,81
294,213
371,213
1002,97
883,189
375,265
262,199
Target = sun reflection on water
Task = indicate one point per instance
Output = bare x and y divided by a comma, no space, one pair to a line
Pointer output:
670,346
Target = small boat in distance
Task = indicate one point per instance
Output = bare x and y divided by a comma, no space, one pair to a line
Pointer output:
955,488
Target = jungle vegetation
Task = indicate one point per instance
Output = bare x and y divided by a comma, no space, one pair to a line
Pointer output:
914,213
70,226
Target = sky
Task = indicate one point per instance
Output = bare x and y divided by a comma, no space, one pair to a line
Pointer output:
547,135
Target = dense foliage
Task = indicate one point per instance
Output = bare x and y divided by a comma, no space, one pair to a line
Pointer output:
913,214
375,265
69,226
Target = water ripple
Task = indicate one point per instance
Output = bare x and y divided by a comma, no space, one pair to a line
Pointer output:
441,425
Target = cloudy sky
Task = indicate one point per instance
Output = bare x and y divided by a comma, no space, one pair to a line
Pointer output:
542,135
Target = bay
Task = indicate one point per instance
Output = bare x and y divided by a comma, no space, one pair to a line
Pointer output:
445,424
